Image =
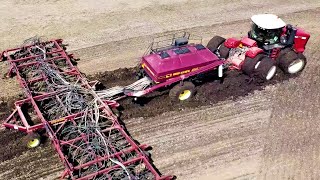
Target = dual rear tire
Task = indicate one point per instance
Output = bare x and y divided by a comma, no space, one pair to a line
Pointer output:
264,67
216,45
261,67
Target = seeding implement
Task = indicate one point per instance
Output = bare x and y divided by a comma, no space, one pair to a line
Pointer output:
89,139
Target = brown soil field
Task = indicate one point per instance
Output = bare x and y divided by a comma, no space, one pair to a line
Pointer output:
231,130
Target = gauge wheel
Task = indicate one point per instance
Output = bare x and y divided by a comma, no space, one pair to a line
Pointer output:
32,140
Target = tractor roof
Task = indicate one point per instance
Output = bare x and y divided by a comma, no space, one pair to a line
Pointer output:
268,21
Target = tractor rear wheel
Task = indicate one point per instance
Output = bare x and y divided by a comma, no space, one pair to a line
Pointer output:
182,92
32,140
265,69
224,51
250,64
292,63
215,42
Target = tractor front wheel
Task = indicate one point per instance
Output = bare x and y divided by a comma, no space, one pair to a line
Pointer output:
182,92
32,140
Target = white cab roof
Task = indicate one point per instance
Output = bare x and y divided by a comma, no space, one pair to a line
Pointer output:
268,21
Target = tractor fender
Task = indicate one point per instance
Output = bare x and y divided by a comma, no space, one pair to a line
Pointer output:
232,43
300,40
249,42
253,52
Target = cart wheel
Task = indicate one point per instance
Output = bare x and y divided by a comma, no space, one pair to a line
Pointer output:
182,92
265,69
33,140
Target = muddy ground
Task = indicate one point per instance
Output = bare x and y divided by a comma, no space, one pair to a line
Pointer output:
209,91
233,130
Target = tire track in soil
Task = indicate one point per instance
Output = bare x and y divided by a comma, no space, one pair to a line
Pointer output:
208,139
210,92
43,163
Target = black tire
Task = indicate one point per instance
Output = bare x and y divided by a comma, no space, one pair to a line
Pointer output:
292,63
249,64
215,42
32,140
282,53
187,88
224,51
266,69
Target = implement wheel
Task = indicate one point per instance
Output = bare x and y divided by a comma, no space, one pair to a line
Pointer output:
32,140
182,92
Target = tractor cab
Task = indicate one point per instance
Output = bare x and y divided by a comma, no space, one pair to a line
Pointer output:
271,32
266,29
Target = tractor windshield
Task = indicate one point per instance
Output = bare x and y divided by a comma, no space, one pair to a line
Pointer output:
265,36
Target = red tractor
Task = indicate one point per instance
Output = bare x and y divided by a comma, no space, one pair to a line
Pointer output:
270,43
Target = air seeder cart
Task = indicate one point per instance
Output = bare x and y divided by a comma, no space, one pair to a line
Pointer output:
172,61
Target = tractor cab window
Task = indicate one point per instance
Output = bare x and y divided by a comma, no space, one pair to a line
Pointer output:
265,36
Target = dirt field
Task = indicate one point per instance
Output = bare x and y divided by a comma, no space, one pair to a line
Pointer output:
230,131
